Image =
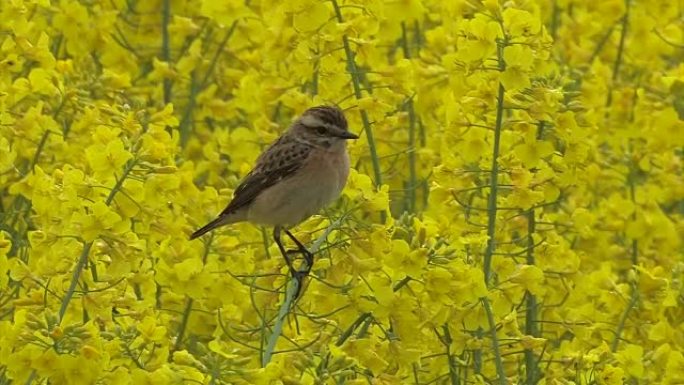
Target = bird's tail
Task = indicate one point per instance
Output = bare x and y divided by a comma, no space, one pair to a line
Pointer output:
218,222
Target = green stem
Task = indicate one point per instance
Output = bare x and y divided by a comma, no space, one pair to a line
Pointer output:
635,259
453,372
265,240
491,217
495,342
601,44
356,82
531,329
41,145
620,52
119,182
75,277
219,50
493,188
404,41
166,46
555,16
290,297
93,272
418,39
477,353
413,180
83,259
350,330
623,319
290,293
185,126
632,195
183,325
621,45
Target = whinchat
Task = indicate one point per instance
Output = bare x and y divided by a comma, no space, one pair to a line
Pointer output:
300,173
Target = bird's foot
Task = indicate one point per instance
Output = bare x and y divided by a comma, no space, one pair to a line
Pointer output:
306,254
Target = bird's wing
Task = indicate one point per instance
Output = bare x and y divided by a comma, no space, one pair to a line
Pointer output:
282,159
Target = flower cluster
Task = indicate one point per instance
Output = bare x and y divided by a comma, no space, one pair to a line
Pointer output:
515,211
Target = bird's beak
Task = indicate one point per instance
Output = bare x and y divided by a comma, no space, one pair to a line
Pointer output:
347,135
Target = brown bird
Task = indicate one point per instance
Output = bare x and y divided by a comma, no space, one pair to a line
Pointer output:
305,169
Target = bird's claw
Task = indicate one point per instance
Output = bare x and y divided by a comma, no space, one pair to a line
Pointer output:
306,254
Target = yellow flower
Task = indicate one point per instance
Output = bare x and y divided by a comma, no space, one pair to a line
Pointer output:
404,261
518,59
610,375
224,12
631,359
150,331
532,153
360,186
116,80
99,219
20,362
531,278
312,16
183,27
479,41
520,23
107,160
674,371
43,81
368,353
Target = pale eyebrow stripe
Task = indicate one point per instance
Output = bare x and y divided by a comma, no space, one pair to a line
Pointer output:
313,121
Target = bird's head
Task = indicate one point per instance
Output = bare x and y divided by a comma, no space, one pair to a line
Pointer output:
323,126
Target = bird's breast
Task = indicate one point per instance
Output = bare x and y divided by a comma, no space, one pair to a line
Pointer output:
332,169
317,183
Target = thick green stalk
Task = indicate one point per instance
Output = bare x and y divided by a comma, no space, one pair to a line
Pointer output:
183,325
453,368
621,45
413,180
350,330
356,82
290,297
493,189
185,126
555,19
531,329
620,52
498,361
75,277
83,259
166,46
491,218
634,298
290,293
217,54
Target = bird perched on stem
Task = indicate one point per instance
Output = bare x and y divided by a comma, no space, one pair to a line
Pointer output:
299,174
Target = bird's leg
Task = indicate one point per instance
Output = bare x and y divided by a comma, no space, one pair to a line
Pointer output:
276,237
308,256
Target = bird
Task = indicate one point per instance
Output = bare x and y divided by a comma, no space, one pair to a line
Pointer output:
300,173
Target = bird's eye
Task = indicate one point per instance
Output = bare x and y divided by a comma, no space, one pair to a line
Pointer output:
321,130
